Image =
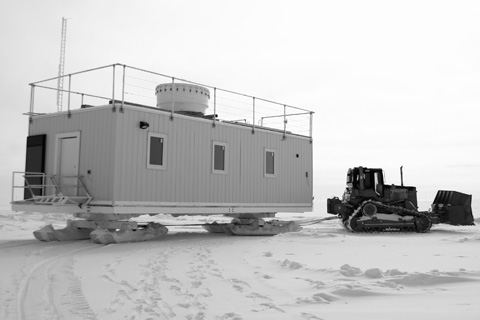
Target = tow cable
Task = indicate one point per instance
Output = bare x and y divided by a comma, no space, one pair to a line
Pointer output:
316,221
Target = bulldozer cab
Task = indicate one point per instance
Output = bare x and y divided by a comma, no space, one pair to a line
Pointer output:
365,181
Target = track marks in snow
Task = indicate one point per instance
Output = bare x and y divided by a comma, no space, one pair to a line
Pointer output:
49,288
130,292
169,282
183,289
65,292
184,280
124,290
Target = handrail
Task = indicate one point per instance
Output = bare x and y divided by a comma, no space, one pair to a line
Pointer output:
74,92
72,74
46,186
284,115
25,182
255,108
217,88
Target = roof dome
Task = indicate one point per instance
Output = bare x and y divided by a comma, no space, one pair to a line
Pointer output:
186,97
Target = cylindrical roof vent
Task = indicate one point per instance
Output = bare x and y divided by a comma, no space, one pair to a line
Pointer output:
187,98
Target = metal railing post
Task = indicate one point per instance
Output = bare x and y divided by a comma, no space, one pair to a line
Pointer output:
69,93
123,89
173,98
284,122
214,107
32,101
253,120
113,90
311,126
13,186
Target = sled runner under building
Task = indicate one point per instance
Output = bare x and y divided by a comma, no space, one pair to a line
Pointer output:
175,147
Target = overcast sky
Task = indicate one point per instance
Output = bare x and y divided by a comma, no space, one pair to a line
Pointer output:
391,82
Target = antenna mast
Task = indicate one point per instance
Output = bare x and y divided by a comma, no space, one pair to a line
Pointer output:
61,65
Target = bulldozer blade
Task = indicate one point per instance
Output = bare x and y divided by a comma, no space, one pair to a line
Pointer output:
453,207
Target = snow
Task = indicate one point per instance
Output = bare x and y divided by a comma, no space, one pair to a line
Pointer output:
321,272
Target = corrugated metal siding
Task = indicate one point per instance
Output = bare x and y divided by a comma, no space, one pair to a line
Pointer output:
188,175
114,148
96,126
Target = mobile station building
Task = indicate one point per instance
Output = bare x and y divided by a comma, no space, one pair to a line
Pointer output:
154,144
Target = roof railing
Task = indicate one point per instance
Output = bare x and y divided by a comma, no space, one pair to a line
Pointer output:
139,86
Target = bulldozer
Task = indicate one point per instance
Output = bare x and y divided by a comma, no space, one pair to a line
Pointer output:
370,205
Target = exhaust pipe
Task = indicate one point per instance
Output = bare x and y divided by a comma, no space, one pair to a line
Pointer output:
401,175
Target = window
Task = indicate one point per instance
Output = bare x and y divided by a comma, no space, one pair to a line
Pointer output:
156,151
219,157
379,183
270,163
368,180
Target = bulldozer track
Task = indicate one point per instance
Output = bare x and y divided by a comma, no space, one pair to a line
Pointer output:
38,276
351,223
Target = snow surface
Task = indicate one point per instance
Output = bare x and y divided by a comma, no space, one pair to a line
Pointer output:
322,272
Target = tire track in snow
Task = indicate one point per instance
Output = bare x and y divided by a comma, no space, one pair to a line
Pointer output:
33,279
16,243
65,292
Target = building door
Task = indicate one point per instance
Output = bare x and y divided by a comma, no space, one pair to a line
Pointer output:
68,163
35,165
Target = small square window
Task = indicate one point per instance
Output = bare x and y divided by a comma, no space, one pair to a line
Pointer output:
219,157
156,151
269,163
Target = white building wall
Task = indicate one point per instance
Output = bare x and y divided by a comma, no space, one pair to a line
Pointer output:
188,176
114,149
96,127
